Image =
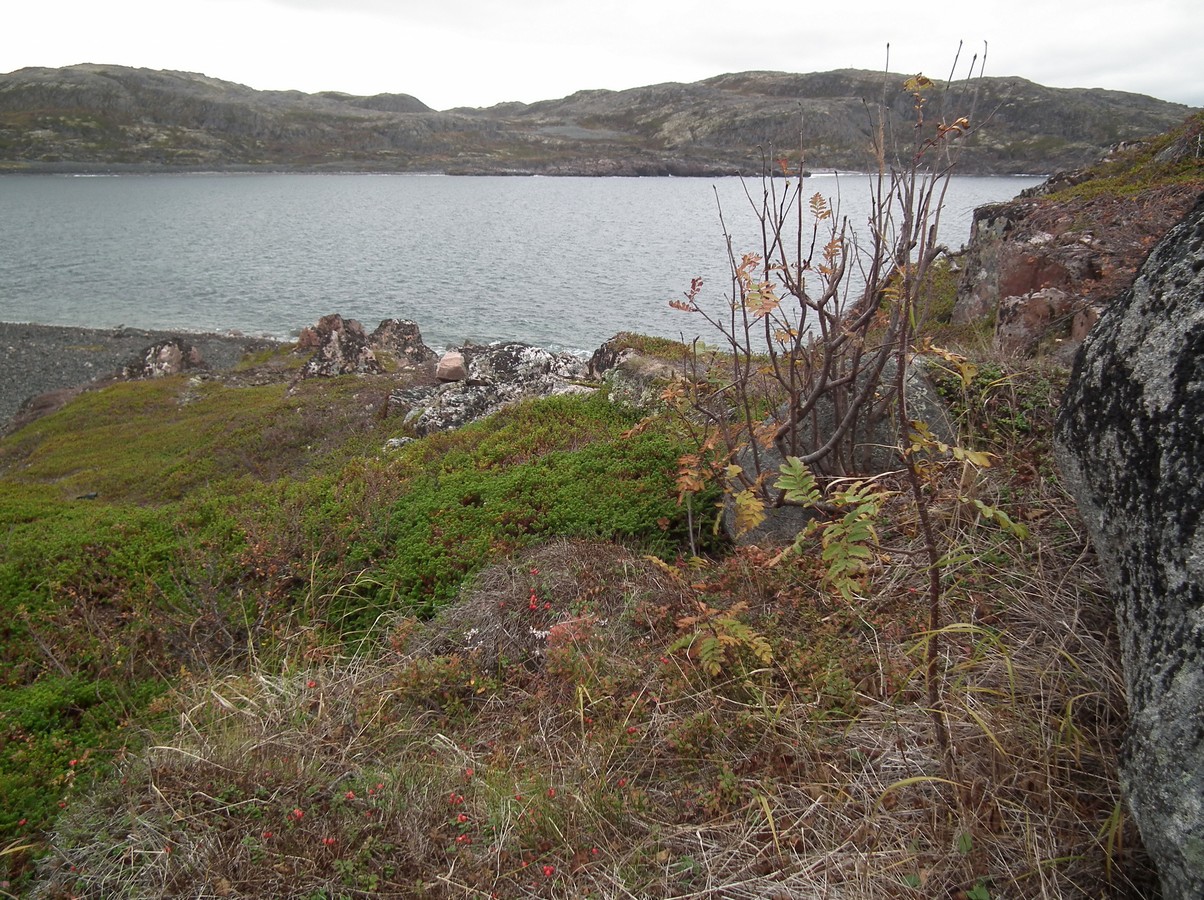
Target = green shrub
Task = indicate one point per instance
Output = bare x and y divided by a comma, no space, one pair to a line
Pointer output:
52,731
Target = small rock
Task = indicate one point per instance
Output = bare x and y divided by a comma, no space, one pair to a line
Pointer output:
451,367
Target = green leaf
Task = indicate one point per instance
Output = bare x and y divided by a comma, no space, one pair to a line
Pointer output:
965,843
798,482
1000,518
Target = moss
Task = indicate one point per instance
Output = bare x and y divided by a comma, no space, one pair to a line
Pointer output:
444,529
157,441
281,356
1152,165
647,345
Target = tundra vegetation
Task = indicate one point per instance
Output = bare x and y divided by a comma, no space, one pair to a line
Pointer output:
269,658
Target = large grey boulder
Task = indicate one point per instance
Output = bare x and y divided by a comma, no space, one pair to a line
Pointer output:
872,448
1131,449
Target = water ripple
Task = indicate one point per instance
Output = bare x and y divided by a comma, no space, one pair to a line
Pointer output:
560,262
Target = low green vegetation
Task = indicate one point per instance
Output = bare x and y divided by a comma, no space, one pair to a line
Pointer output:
483,663
162,531
1171,159
649,345
252,649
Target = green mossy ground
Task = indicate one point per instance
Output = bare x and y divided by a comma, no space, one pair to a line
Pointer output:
167,529
1173,158
469,637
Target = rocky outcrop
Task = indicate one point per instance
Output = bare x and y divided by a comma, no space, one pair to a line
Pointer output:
339,346
1044,266
401,340
1023,321
1086,250
1131,449
492,377
630,377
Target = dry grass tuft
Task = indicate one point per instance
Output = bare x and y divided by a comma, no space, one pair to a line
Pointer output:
556,734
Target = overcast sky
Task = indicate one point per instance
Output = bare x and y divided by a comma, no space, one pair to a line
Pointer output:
451,53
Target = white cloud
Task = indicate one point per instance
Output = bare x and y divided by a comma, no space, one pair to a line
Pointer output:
480,52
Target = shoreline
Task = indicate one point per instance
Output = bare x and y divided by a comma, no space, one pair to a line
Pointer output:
116,170
37,359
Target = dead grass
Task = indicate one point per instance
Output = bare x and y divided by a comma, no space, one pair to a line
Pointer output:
554,734
584,721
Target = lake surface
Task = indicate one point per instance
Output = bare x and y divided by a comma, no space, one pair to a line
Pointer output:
562,263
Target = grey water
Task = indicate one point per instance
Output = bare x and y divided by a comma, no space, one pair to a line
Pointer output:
563,263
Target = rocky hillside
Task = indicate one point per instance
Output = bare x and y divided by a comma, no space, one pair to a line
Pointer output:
1044,266
103,118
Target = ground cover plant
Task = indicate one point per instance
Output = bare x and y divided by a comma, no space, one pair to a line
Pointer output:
517,660
168,530
582,719
1175,158
588,721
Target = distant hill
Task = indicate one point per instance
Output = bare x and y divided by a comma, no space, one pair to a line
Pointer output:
112,118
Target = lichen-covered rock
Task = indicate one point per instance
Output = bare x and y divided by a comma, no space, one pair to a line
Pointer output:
1088,249
1131,448
631,378
340,347
401,339
486,379
169,357
512,361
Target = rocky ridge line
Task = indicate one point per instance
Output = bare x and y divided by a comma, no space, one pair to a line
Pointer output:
113,118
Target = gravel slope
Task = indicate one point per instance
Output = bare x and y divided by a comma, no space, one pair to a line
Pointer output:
36,359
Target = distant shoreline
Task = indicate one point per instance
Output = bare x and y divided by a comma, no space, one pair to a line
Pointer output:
37,359
114,170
